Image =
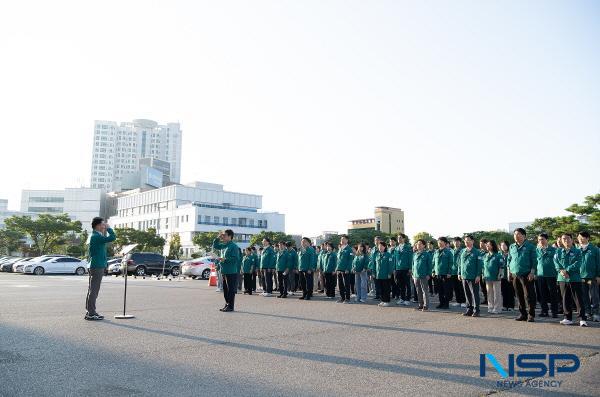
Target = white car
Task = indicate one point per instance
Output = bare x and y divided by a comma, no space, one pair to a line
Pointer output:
18,266
199,267
65,264
114,266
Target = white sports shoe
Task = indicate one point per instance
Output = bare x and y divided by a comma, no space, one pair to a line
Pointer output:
454,304
583,323
463,305
353,296
218,290
406,303
380,304
386,304
362,301
566,322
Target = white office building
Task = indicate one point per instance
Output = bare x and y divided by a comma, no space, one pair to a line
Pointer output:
195,208
118,149
81,204
6,213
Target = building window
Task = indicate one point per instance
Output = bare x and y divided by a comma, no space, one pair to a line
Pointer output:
225,220
233,221
216,219
251,222
207,219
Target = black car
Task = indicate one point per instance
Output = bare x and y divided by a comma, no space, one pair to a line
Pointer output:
147,263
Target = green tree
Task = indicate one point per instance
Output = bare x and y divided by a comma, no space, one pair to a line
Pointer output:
11,241
48,232
275,237
204,240
147,241
175,246
423,236
357,236
496,235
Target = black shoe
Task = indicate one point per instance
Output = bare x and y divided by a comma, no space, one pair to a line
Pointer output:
544,315
283,296
92,317
245,292
521,318
302,298
530,319
439,307
227,309
307,298
468,313
279,296
475,314
100,316
224,308
485,302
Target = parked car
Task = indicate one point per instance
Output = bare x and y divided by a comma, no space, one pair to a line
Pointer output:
114,266
17,267
198,268
147,263
65,264
7,264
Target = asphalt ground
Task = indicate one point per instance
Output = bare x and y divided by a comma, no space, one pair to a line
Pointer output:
179,344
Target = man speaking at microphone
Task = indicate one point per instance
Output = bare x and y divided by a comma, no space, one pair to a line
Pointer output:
97,255
229,258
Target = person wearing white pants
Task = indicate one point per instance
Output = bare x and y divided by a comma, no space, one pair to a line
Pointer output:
492,273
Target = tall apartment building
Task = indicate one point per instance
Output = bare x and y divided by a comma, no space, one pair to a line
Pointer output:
119,148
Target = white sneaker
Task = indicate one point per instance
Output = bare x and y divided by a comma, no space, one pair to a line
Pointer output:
454,304
380,304
371,294
463,305
595,318
566,322
386,304
353,296
291,294
406,303
218,290
583,323
268,294
362,301
399,302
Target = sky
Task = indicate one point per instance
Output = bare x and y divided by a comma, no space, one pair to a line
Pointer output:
468,115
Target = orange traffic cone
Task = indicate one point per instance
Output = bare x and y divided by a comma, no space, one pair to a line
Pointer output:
212,280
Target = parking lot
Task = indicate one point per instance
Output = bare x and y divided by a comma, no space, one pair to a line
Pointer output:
180,344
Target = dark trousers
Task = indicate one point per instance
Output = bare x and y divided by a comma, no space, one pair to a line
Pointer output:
248,283
444,284
269,280
95,278
253,282
572,292
283,283
352,284
430,285
483,289
344,285
385,287
296,281
229,289
471,289
525,291
306,283
329,284
401,284
549,294
456,290
261,279
508,294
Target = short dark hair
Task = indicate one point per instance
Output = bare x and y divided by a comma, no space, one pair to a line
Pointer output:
567,234
344,236
381,242
307,240
584,234
457,239
484,240
520,230
543,235
96,221
422,241
444,239
229,232
505,242
470,237
288,244
494,245
268,240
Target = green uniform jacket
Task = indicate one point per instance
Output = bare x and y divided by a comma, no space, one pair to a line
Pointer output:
404,257
360,263
422,265
383,265
97,249
504,261
307,259
344,259
456,260
329,262
569,261
492,263
247,262
282,261
230,253
522,260
470,264
590,262
293,259
372,259
442,262
267,259
320,256
545,261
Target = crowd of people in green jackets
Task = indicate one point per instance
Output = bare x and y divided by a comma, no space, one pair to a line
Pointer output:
562,277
